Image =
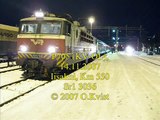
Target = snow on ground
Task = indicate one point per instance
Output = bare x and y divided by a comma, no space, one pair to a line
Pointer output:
3,67
133,88
18,88
5,64
12,91
152,58
9,77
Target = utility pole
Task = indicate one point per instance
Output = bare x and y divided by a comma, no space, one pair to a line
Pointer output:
108,31
140,35
117,39
126,31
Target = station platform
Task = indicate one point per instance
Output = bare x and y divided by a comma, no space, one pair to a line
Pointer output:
120,88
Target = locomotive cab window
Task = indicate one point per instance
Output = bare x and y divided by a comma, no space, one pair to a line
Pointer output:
51,28
29,28
67,28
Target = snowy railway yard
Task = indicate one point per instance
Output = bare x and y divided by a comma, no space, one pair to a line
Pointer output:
120,88
14,86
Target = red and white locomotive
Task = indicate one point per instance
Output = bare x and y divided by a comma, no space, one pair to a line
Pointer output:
44,38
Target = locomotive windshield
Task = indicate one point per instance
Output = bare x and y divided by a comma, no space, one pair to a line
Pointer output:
51,28
29,28
41,28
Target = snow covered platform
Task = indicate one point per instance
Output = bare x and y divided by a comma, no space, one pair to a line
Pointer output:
151,58
130,92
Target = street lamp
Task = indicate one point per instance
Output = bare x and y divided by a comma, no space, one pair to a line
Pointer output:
91,21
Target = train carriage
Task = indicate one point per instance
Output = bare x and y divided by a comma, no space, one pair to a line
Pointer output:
8,39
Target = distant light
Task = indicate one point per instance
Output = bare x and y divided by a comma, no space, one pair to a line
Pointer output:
39,14
118,38
91,20
129,50
113,38
154,36
114,31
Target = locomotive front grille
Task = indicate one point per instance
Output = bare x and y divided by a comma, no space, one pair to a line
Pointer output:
34,56
34,63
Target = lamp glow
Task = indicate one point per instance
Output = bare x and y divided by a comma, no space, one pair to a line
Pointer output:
129,50
113,38
51,49
39,14
113,31
91,20
23,48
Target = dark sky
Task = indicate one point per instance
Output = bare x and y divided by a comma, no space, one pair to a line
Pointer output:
106,12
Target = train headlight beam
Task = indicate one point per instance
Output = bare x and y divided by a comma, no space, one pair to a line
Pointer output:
51,49
23,48
39,14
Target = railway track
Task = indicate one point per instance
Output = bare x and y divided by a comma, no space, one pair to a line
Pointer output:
157,59
6,85
149,61
7,66
23,93
10,70
9,87
2,60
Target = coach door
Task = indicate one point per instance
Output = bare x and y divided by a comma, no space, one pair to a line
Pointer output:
68,34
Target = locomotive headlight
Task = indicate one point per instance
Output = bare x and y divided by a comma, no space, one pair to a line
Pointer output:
39,14
23,48
51,49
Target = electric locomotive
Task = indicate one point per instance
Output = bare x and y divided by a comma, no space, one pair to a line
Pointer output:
48,41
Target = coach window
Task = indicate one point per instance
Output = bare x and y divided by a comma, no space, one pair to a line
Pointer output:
67,28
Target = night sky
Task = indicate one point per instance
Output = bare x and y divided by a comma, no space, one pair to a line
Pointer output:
107,12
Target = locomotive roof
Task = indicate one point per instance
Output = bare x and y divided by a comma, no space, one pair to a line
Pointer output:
44,18
7,27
